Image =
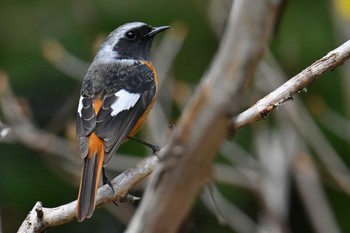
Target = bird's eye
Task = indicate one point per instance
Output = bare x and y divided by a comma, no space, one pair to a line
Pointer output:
130,35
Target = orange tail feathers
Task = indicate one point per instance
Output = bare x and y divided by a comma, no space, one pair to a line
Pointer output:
90,178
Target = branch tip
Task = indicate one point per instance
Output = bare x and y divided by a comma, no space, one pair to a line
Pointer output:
130,198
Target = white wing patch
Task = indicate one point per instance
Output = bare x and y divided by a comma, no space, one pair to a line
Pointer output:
125,101
80,106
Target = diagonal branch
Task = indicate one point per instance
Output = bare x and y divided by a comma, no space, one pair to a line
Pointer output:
293,86
39,219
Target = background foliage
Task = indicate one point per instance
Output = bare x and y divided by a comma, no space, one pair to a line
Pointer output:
306,32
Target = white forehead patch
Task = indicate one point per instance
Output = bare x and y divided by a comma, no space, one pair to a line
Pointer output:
125,100
106,53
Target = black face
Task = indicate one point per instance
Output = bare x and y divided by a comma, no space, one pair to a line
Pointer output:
135,44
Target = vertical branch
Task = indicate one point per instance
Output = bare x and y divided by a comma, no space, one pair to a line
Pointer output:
204,124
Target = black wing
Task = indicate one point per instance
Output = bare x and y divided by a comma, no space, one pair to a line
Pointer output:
86,122
116,118
114,129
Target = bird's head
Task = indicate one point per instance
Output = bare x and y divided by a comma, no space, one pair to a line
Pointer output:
131,41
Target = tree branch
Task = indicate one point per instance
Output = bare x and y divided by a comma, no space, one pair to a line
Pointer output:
191,150
40,218
293,86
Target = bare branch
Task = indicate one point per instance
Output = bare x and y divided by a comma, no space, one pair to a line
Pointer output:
191,145
296,124
315,138
296,84
41,218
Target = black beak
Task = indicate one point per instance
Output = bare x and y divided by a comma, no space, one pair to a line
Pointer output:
156,30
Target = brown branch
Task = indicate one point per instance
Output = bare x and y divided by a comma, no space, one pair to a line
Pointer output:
293,86
40,218
312,134
204,124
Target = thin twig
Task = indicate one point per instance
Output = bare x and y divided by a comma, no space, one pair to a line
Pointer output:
315,138
290,138
264,106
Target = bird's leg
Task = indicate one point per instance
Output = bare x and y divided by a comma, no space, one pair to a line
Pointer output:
105,180
154,148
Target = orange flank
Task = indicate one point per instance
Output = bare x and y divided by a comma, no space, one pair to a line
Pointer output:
142,119
144,116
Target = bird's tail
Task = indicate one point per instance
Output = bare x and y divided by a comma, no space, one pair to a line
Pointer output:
90,178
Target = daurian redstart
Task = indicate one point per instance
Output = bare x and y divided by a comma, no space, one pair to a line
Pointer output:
117,94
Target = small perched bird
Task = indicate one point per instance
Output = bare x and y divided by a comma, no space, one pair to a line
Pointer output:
117,94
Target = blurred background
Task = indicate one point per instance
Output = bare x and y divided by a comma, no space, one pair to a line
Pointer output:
288,173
